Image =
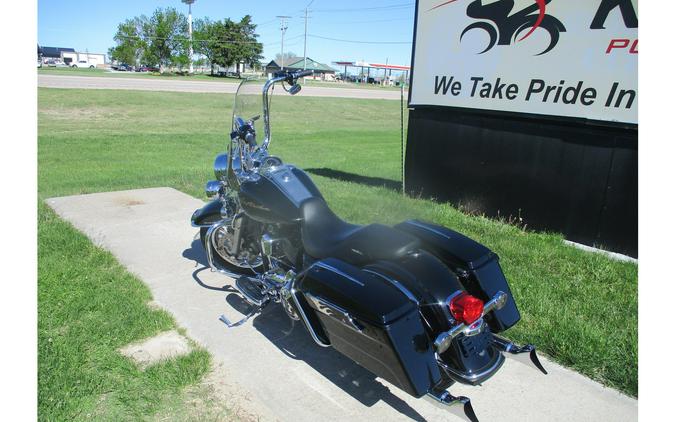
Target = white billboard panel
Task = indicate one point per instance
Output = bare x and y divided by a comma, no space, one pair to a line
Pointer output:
571,58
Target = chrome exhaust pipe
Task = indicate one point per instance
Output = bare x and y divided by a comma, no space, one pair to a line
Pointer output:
520,353
458,406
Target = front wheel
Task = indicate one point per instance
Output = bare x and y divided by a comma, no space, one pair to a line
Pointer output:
223,260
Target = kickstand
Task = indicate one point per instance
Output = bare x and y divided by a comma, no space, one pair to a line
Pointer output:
229,324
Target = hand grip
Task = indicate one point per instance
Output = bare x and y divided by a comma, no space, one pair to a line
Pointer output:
302,73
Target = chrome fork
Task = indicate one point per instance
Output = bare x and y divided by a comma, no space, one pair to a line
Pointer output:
215,268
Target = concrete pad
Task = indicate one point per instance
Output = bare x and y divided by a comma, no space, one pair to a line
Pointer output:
272,364
163,346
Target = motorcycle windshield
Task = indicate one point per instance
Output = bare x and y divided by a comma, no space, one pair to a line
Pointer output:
248,102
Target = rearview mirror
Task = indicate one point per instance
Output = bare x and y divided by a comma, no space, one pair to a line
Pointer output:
294,89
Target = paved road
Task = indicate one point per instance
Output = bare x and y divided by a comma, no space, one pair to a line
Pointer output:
151,84
272,367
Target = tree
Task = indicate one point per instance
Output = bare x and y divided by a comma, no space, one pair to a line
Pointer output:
226,42
250,50
286,57
166,35
163,40
130,44
207,36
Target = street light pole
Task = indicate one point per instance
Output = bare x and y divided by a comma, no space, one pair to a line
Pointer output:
189,3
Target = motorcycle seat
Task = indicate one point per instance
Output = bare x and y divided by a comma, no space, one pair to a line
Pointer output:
326,235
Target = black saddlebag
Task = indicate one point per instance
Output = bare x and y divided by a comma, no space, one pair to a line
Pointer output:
371,321
477,267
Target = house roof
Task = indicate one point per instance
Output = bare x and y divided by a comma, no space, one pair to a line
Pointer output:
297,63
54,52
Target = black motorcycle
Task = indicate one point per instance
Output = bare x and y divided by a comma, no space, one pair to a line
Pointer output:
416,304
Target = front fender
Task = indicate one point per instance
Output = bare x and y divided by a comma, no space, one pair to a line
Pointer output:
208,214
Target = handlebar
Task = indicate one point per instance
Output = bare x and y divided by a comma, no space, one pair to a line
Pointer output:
289,77
301,73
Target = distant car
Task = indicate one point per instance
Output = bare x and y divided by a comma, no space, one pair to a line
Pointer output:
83,64
147,69
123,67
55,63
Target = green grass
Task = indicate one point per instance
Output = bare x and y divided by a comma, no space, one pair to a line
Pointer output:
89,307
579,308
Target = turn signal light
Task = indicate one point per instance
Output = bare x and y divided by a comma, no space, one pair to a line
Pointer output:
466,308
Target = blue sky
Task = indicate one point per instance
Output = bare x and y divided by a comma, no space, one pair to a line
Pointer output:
90,25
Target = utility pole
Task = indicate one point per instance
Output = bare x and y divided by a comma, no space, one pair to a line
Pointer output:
284,27
304,67
189,3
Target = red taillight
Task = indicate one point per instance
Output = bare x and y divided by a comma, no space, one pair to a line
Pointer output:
466,308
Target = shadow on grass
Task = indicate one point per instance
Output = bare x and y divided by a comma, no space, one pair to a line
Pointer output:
356,178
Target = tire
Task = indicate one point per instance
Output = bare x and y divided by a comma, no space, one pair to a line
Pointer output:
219,261
91,67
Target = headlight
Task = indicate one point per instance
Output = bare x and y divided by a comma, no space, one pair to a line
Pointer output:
213,187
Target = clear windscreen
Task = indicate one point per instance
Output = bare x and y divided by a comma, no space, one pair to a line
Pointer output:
248,102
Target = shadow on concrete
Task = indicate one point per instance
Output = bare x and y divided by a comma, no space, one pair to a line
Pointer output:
196,253
292,339
356,178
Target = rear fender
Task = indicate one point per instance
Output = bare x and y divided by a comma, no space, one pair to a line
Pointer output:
477,267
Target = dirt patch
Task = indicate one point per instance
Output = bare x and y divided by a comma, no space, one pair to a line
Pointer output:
163,346
128,201
214,399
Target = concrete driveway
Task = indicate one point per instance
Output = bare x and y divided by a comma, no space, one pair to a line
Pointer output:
153,84
272,364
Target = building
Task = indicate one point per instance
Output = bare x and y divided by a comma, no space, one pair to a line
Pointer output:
365,72
321,71
70,56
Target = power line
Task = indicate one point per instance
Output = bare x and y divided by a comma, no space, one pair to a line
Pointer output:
398,6
359,41
148,37
371,21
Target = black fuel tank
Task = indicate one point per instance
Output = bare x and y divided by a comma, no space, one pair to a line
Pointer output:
276,196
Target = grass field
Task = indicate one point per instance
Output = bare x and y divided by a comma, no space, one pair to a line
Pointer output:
68,71
577,307
89,307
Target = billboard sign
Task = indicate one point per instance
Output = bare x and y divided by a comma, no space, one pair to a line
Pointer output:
570,58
